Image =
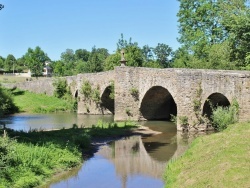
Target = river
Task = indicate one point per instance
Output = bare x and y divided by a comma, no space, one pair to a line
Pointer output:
129,162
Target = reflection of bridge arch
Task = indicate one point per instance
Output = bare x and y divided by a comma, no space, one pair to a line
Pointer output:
214,100
130,157
158,104
106,101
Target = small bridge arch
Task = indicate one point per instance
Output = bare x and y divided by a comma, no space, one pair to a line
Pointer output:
214,100
107,101
158,104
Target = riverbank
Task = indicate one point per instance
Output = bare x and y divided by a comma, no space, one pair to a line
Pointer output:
29,102
217,160
34,158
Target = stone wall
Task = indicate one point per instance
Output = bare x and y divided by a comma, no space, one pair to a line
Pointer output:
44,86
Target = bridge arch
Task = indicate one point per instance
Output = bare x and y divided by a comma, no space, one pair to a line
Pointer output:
214,100
107,102
158,104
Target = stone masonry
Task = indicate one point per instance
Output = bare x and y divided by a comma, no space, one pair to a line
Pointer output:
159,92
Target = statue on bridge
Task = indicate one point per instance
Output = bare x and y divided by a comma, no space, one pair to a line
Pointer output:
123,61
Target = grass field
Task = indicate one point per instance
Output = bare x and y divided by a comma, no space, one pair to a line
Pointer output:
40,103
218,160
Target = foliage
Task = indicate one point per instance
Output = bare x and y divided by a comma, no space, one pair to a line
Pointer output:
183,120
86,89
162,52
135,93
112,88
35,156
1,6
225,154
7,105
95,96
10,63
35,60
112,61
60,87
214,34
224,116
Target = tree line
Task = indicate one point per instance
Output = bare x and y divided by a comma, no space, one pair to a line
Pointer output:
83,61
214,34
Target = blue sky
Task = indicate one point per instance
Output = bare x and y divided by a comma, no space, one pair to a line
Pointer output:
56,25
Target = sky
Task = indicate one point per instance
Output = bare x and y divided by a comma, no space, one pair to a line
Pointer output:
57,25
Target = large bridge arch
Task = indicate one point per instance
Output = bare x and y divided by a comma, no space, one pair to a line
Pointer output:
158,104
212,101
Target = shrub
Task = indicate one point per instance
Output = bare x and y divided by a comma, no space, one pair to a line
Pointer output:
86,89
112,88
60,87
135,93
7,105
223,116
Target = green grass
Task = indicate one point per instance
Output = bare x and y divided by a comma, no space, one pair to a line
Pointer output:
217,160
40,103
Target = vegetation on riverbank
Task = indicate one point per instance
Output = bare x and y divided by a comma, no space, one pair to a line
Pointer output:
29,159
40,103
6,102
217,160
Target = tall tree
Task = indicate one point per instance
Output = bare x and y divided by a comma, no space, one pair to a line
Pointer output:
199,25
82,54
35,60
68,56
162,52
10,63
236,19
2,62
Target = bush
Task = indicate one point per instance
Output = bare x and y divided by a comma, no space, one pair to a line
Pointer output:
223,116
7,105
60,88
86,89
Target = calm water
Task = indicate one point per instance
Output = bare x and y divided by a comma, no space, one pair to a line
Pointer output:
26,122
126,163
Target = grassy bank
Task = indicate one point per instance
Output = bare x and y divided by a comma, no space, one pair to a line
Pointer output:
40,103
217,160
30,159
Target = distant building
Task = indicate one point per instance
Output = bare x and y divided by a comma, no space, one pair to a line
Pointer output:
47,70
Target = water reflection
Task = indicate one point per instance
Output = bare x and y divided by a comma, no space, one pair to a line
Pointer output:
130,162
26,122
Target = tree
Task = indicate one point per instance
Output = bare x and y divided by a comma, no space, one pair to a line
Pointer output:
162,52
112,61
95,62
35,60
210,25
9,63
82,54
68,56
147,53
2,62
236,20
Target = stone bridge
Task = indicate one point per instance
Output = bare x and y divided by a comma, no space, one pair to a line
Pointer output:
155,94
